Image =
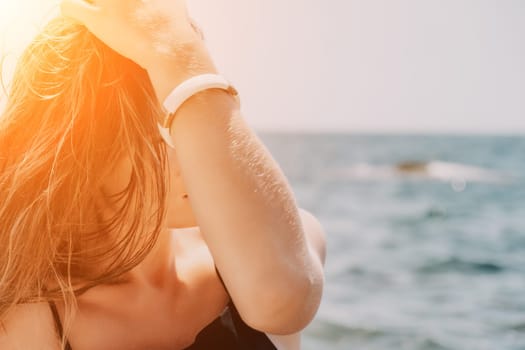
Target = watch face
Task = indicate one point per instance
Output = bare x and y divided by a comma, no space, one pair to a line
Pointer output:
165,133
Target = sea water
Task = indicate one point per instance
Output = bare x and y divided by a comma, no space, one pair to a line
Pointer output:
426,238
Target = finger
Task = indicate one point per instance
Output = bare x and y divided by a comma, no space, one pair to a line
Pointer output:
197,28
79,10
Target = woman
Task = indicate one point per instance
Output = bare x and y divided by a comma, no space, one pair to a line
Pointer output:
88,190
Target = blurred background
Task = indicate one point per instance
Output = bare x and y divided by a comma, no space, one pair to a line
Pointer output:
401,125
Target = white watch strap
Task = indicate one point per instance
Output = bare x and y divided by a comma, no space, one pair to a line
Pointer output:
192,86
184,91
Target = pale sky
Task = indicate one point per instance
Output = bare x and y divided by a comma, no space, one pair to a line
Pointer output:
363,65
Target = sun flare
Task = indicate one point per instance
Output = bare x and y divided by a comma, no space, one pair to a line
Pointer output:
21,19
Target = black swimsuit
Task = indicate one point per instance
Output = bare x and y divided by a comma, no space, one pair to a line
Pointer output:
227,332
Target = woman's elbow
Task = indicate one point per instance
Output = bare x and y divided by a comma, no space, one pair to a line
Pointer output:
289,309
296,303
290,303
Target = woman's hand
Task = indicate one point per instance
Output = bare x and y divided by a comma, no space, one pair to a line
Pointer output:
158,35
137,29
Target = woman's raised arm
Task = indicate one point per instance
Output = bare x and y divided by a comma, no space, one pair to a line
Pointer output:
241,199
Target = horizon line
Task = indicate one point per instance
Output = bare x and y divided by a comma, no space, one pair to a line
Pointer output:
365,132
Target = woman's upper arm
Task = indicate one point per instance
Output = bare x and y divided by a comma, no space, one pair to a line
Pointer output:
28,327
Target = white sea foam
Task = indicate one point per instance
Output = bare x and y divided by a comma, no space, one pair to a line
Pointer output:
459,172
456,173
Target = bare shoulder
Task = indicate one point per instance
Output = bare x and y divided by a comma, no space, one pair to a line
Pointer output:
28,327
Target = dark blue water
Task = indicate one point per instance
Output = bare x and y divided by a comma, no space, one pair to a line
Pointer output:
426,238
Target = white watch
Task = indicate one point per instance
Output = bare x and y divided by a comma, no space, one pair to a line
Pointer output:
183,92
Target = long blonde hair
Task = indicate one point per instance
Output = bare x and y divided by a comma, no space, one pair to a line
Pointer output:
74,110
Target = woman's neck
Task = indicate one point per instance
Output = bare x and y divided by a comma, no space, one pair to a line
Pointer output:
159,263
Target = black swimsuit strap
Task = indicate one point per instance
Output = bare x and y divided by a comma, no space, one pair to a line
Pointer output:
58,323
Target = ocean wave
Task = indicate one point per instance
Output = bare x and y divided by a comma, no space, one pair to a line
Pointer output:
334,330
518,327
380,337
455,264
456,173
